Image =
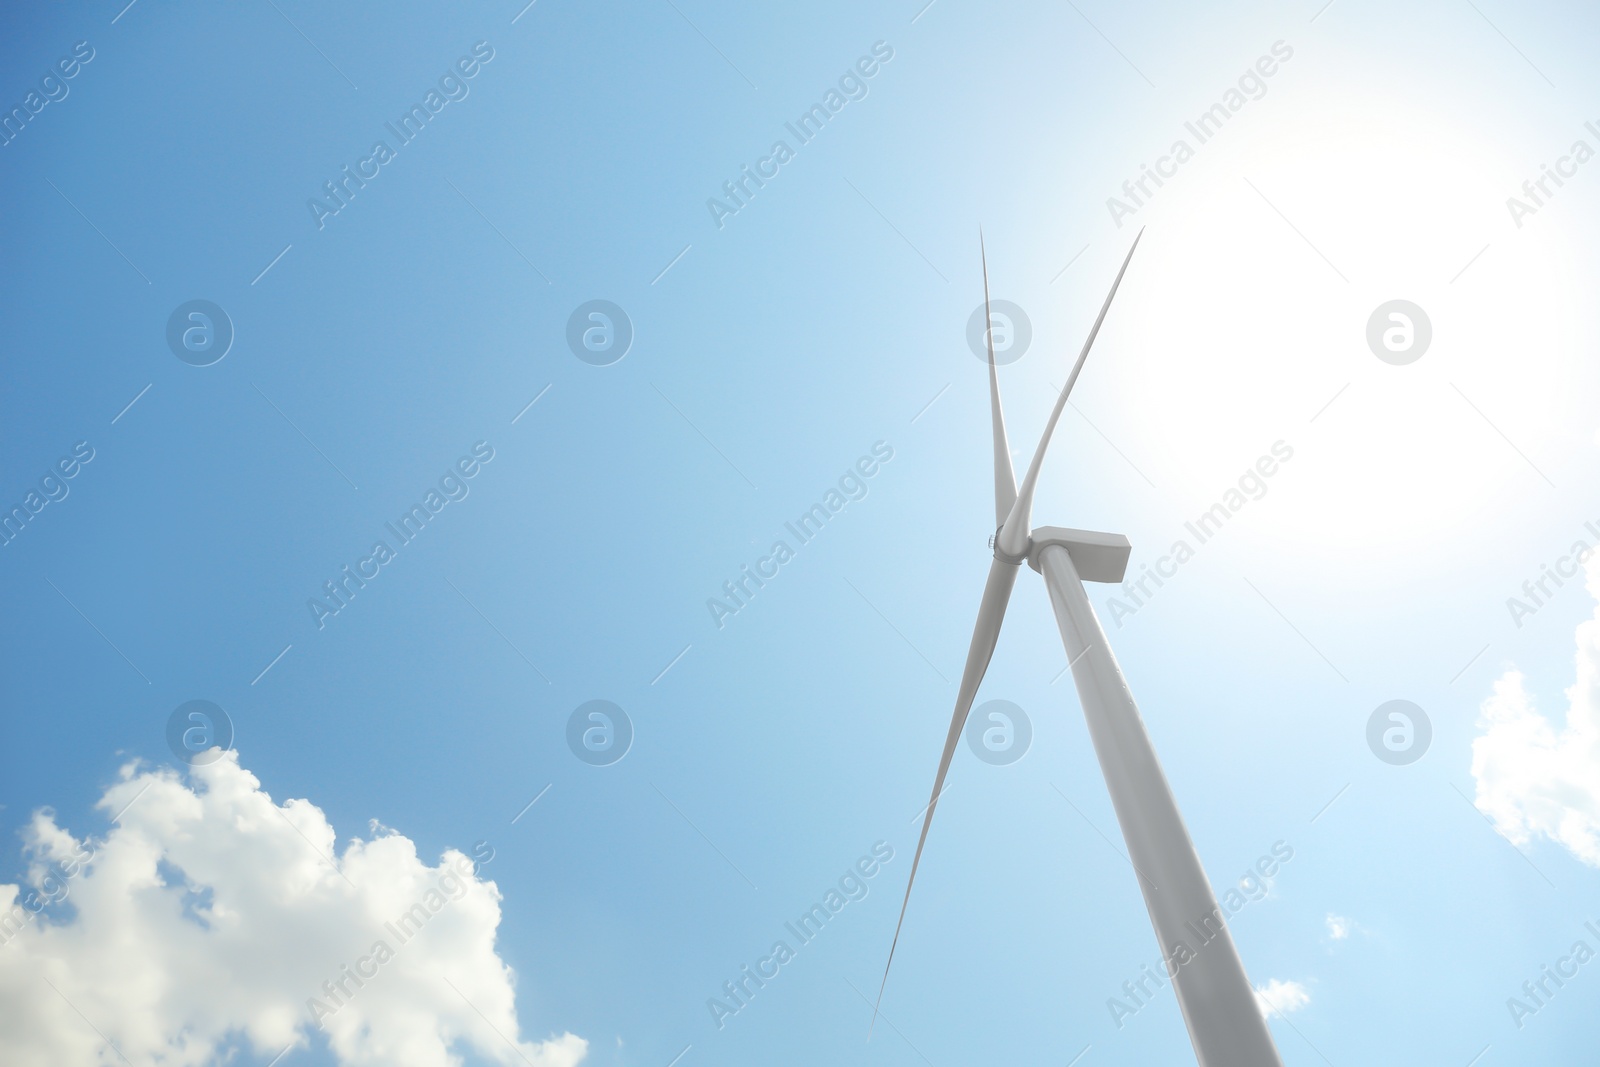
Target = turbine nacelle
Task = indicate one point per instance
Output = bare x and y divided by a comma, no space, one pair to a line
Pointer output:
1098,557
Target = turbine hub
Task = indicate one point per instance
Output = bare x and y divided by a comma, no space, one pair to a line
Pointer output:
1004,557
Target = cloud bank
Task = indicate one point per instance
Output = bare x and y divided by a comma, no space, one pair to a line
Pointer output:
1538,779
210,917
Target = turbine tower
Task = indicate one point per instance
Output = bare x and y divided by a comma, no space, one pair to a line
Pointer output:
1219,1008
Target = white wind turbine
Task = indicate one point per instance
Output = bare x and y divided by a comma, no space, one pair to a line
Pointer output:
1219,1008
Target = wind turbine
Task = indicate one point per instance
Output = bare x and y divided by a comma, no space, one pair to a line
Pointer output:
1219,1008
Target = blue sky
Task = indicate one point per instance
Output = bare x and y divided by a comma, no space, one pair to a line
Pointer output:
770,352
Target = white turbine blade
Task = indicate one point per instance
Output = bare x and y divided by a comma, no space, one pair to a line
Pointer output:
991,612
1005,479
1013,537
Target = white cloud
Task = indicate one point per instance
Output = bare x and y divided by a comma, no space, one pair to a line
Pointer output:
1281,997
1338,926
210,915
1538,779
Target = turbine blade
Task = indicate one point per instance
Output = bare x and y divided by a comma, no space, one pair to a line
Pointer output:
1013,536
1005,479
991,612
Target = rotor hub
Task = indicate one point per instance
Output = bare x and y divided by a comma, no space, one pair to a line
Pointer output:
1004,557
